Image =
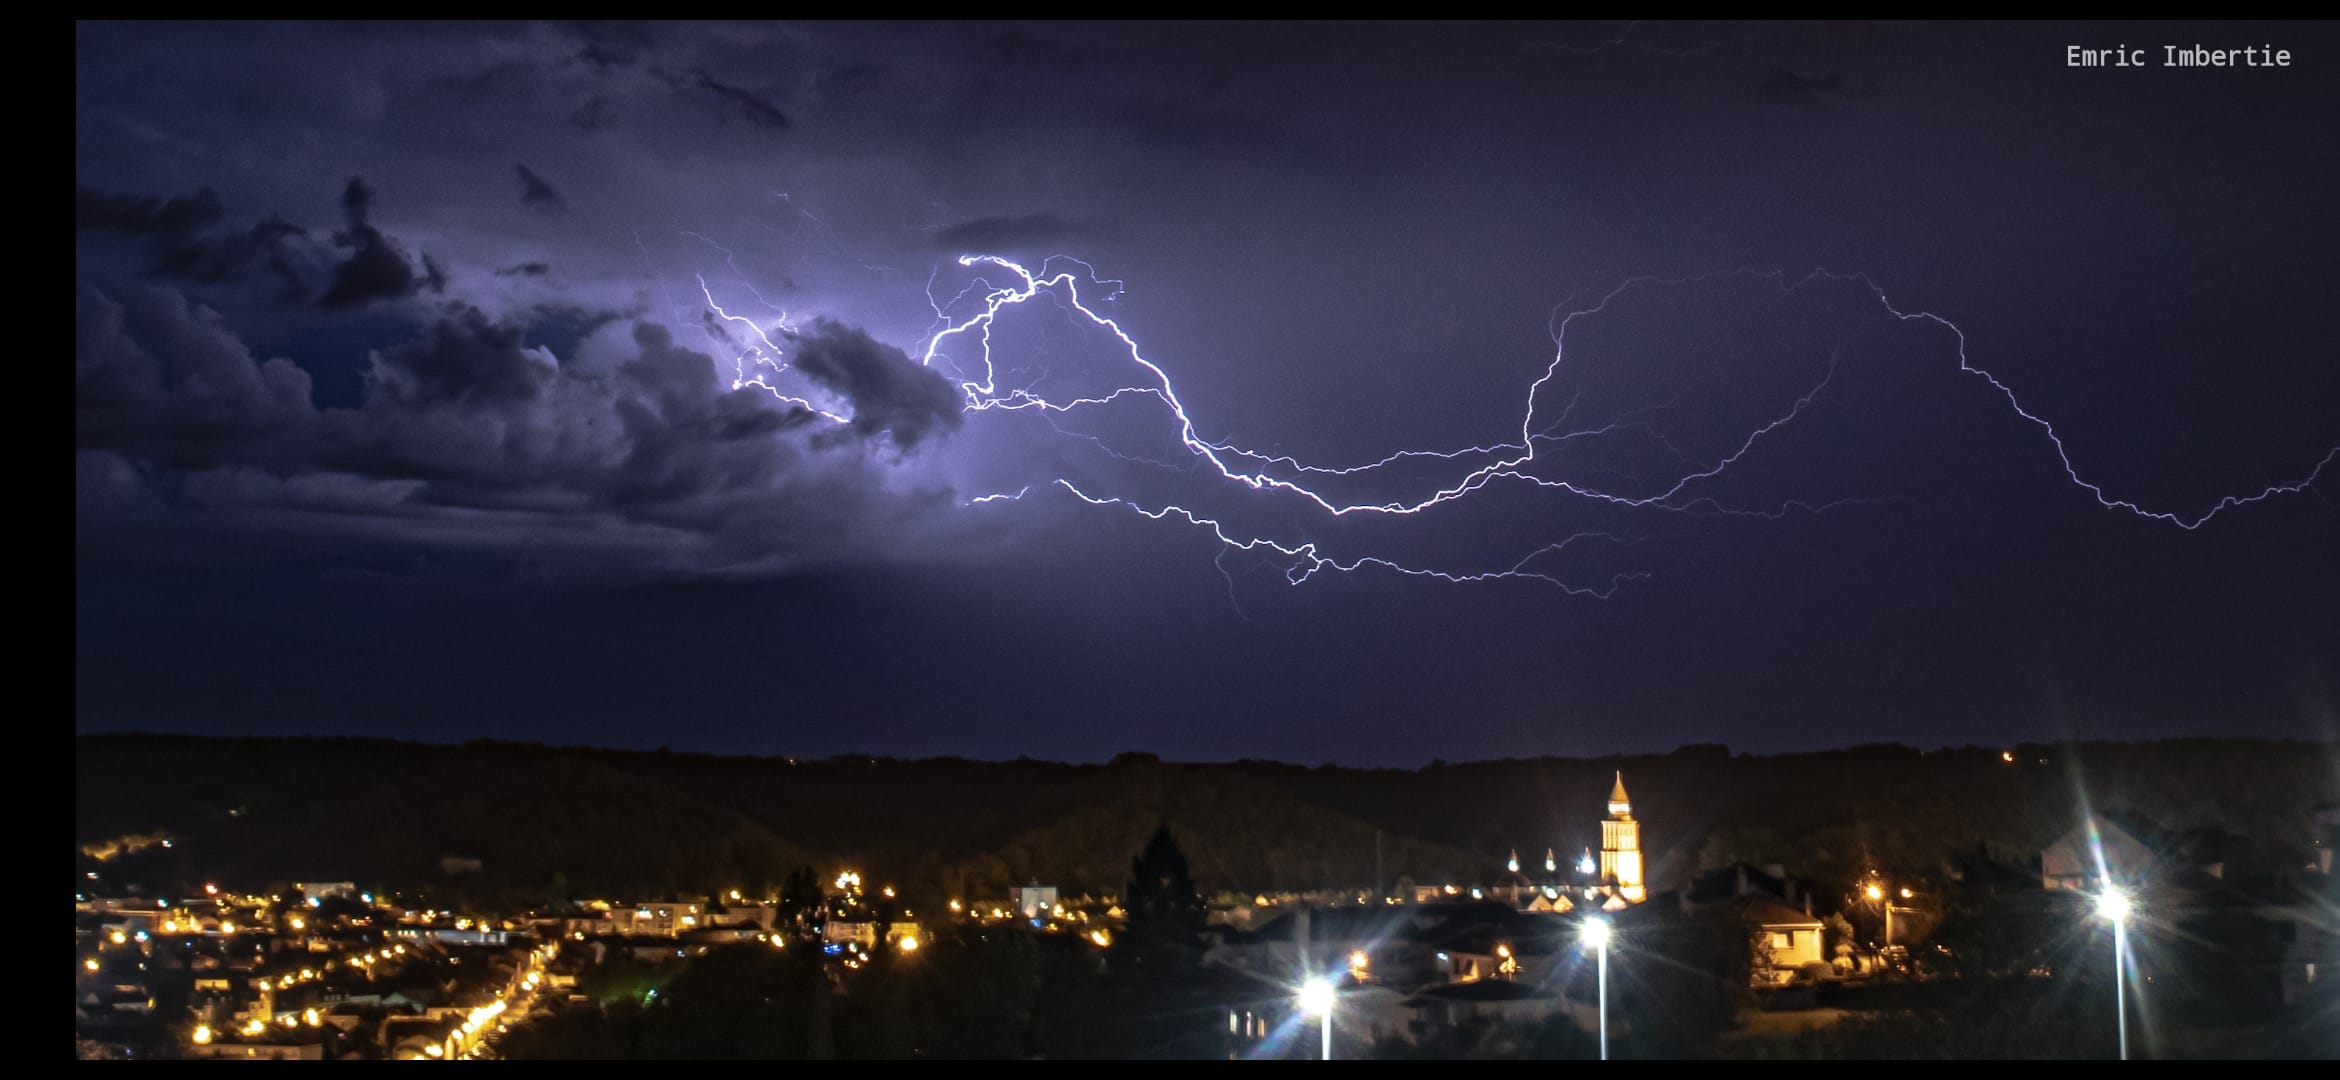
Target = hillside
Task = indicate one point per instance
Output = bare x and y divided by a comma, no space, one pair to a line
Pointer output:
564,821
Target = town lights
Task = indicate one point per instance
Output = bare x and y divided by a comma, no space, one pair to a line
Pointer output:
202,1034
1316,999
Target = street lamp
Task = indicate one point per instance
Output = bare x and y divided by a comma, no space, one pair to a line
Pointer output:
2115,905
1316,999
1876,894
1595,936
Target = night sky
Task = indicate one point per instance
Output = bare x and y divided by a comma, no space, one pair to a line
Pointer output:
402,407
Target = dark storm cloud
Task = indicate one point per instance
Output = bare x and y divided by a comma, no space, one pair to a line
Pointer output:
162,379
469,437
1006,233
187,241
534,191
1786,88
755,108
377,269
847,78
527,269
891,393
173,216
466,360
595,115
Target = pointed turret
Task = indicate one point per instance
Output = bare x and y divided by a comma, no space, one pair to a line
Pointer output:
1619,805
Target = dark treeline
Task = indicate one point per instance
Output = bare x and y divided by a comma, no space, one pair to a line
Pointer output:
558,822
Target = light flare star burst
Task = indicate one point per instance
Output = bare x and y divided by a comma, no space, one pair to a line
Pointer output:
961,343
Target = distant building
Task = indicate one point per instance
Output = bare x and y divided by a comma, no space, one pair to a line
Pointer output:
1460,1004
667,919
1612,880
2080,859
452,935
1788,938
1035,900
1773,908
1621,847
317,892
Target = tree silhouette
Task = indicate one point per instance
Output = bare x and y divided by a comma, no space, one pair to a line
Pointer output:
800,896
1165,912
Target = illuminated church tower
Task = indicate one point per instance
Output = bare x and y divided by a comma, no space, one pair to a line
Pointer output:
1621,846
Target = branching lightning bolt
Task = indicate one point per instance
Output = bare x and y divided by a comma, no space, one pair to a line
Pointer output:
961,344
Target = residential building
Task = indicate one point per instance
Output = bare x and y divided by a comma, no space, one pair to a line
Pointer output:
2080,859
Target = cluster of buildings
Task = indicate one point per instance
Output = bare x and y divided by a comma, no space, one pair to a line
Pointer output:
2282,932
327,971
1508,956
1448,957
321,972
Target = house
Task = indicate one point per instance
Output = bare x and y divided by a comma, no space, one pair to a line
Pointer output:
2080,859
1786,940
1487,1000
1400,946
1034,901
668,918
414,1038
1776,911
317,892
859,932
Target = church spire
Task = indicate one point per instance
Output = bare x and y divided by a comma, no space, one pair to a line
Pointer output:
1621,847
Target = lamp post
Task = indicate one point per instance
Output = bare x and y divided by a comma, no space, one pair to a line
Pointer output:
1316,997
1595,935
2114,904
1876,893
